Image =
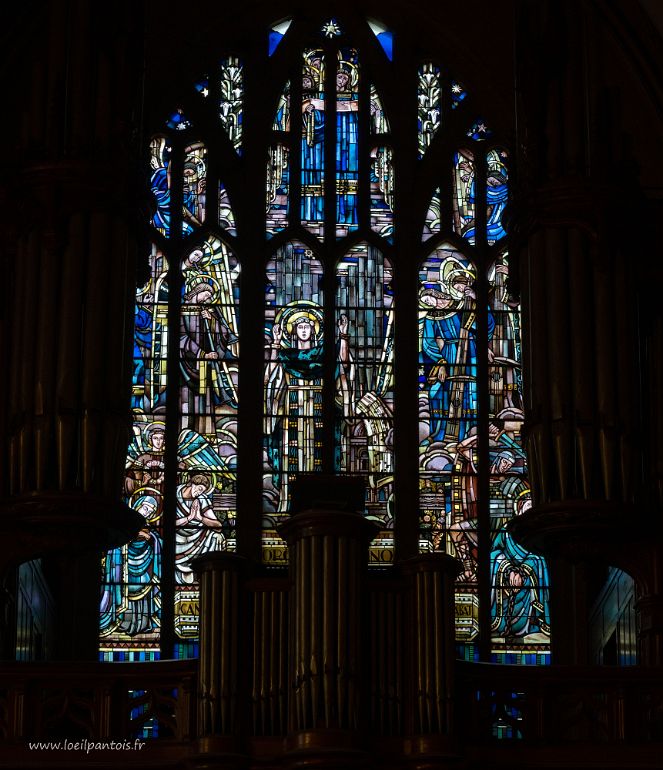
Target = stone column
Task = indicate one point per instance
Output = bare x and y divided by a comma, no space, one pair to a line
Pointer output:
328,558
650,631
69,316
581,285
432,654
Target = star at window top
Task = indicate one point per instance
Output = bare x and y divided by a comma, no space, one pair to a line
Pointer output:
331,28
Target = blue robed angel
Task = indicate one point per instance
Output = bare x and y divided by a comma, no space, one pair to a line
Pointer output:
449,356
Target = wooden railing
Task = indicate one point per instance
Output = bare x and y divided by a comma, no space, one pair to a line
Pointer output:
600,716
613,716
89,705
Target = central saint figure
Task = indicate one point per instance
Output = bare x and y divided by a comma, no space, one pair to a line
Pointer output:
293,393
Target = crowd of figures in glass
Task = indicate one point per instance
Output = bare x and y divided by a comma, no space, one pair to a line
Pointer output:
191,484
519,580
450,461
207,445
131,575
448,419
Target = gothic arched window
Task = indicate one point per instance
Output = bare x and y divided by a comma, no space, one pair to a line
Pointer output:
312,270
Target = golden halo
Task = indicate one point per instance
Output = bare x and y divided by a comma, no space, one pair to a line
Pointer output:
290,315
157,425
351,70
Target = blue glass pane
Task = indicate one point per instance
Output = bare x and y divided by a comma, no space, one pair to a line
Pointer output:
313,142
202,86
479,131
497,194
160,184
458,93
384,36
277,33
347,141
178,121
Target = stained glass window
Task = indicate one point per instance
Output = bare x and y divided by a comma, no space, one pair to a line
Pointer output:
226,214
432,223
180,474
328,265
429,104
382,192
193,187
277,33
278,188
520,614
331,28
131,575
448,412
294,351
479,131
352,200
473,471
384,37
379,122
160,183
347,141
282,117
463,202
497,193
178,121
458,93
232,99
313,142
207,440
365,378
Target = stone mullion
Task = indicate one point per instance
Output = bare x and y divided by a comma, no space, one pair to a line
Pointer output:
483,408
407,236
